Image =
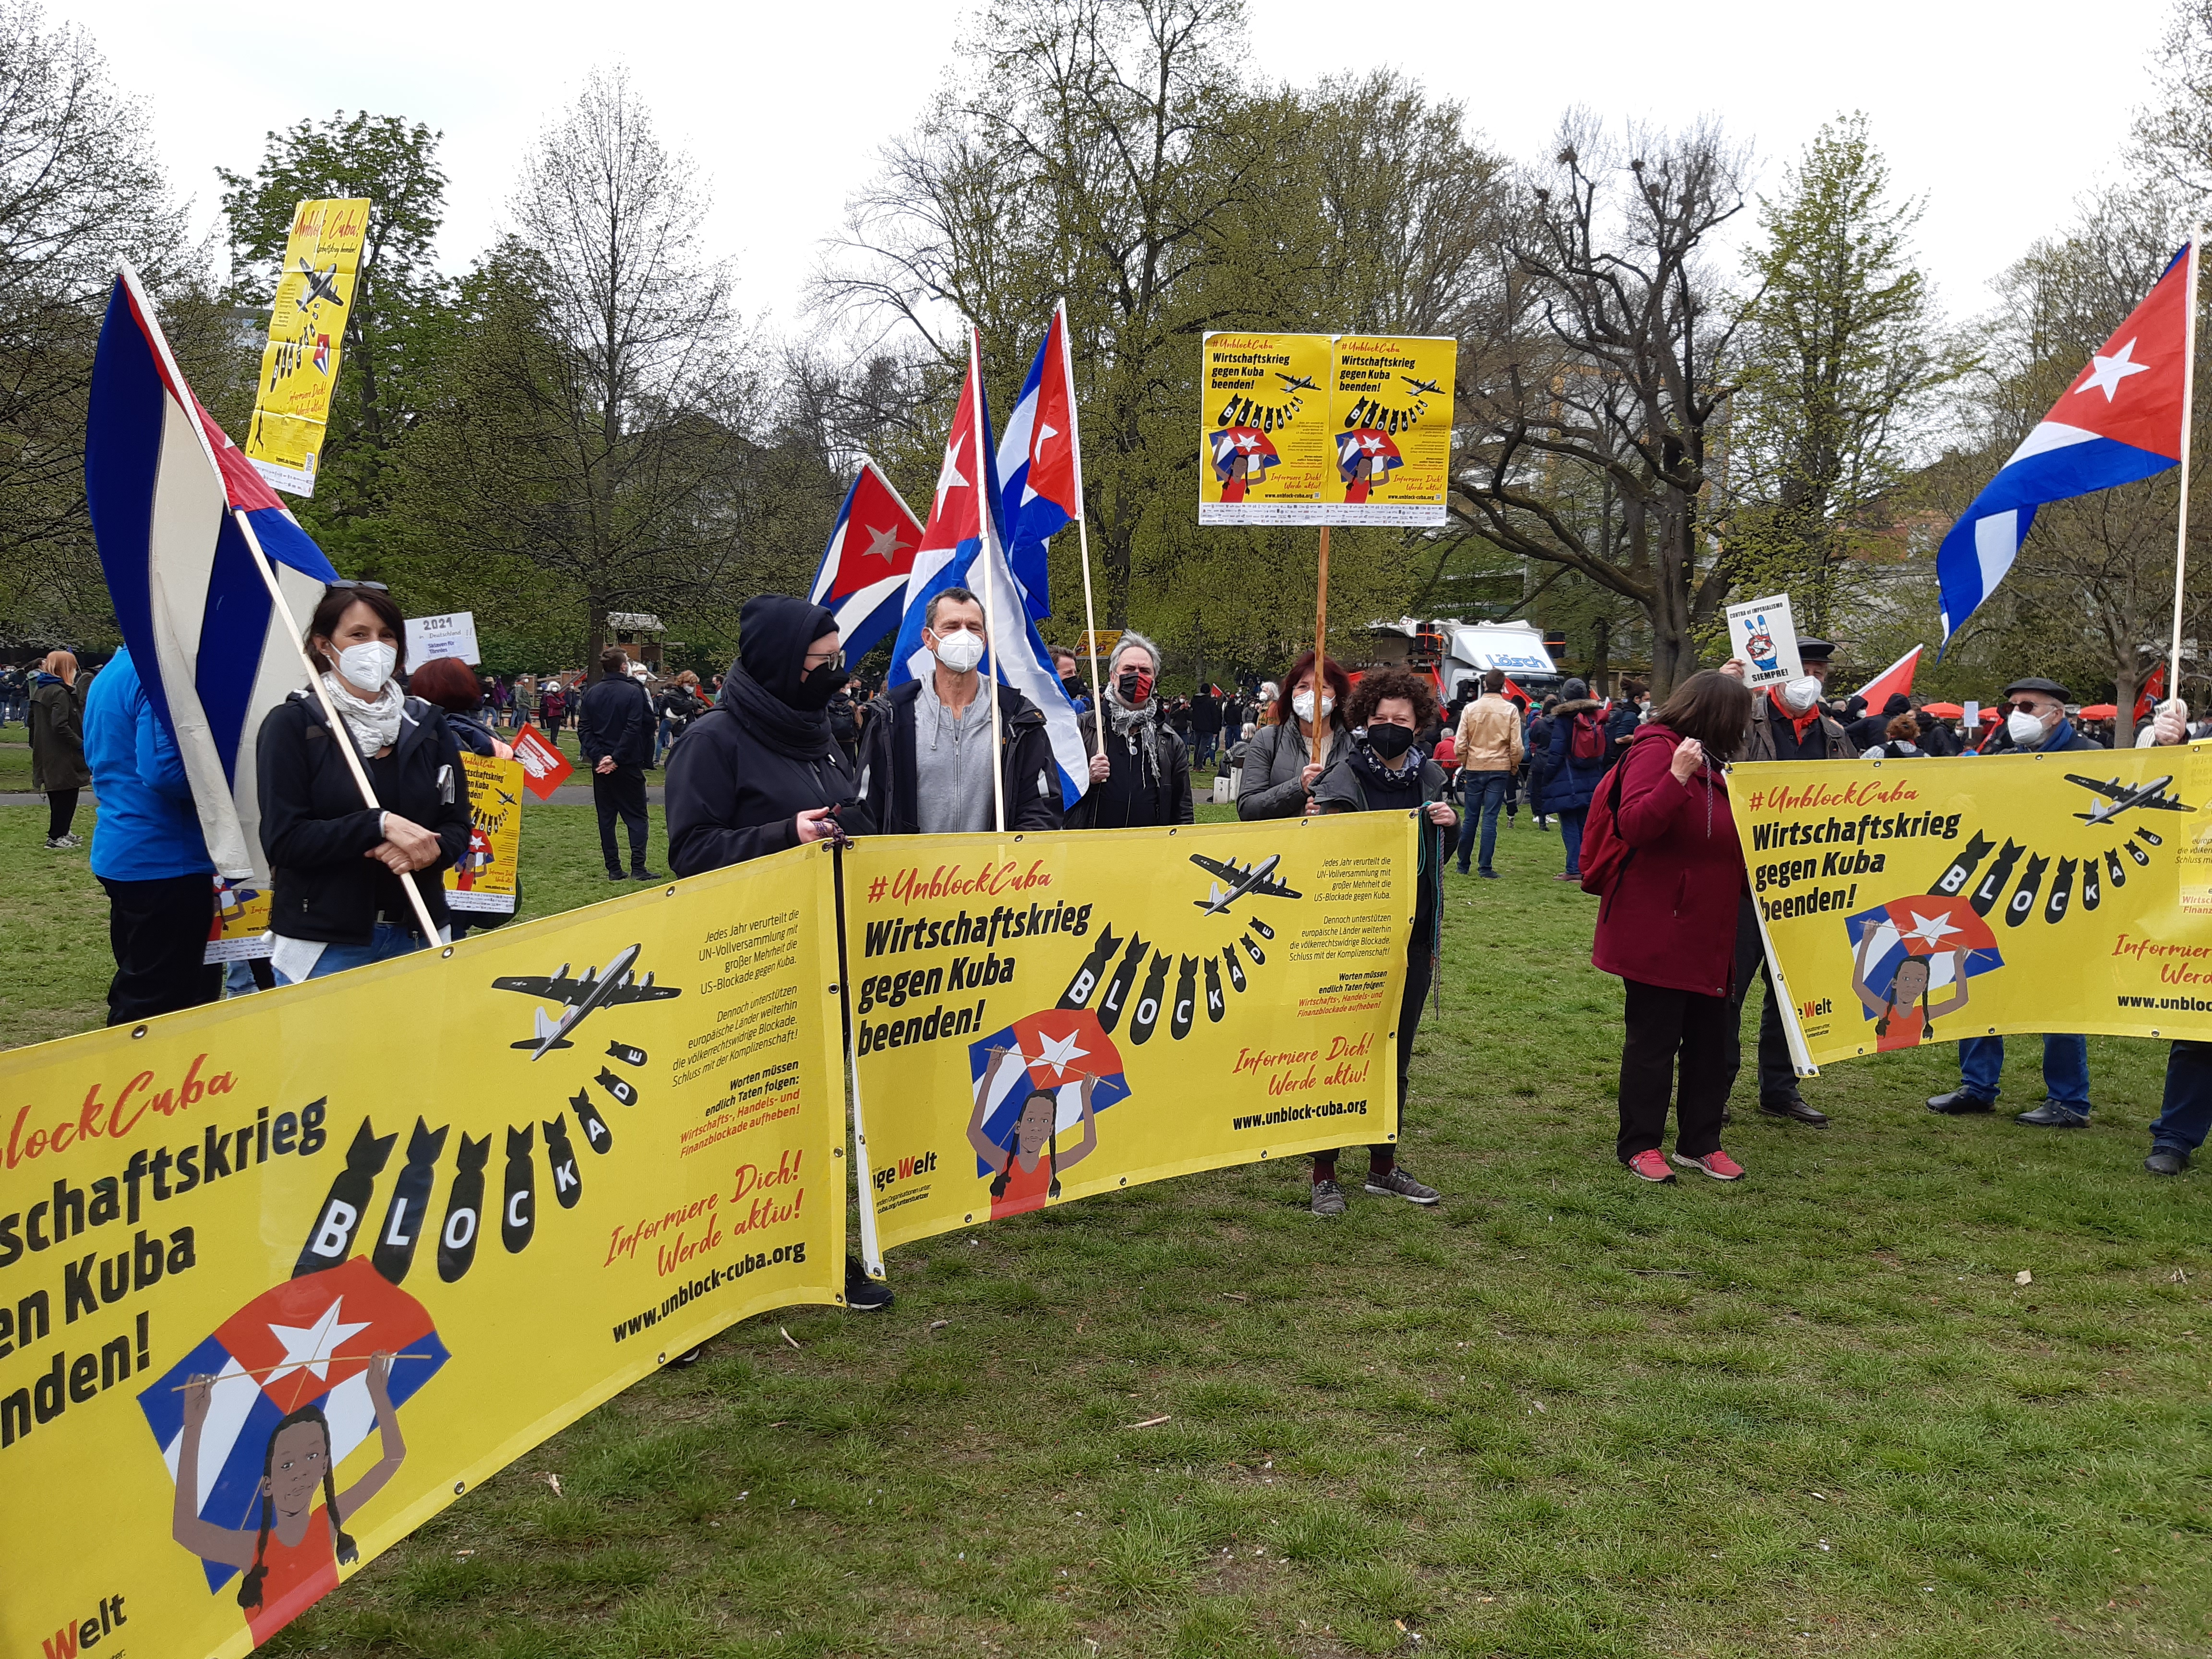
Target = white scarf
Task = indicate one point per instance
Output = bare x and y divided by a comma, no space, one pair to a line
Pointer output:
373,725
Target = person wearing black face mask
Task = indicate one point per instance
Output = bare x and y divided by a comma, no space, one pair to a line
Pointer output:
1143,776
761,770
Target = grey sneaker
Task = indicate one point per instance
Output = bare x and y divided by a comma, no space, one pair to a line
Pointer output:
2166,1161
1328,1200
1394,1183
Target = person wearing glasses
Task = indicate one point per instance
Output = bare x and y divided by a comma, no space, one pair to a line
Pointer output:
336,900
2034,723
761,770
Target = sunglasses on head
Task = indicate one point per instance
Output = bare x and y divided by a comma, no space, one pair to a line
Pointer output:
373,588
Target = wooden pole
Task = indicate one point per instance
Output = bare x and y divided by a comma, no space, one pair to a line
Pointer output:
2188,410
338,727
1320,657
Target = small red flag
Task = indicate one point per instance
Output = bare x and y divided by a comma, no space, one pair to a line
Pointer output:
545,768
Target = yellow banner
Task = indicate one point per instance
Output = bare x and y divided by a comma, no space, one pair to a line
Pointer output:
1917,901
484,880
306,330
411,1221
1039,1018
1390,414
240,929
1265,455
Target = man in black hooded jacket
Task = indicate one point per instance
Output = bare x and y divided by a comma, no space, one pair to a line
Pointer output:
762,771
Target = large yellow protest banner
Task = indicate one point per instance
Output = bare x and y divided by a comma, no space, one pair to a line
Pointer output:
1038,1018
307,333
1264,433
1915,901
411,1220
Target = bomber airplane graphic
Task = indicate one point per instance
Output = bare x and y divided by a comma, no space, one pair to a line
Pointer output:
2127,798
1429,386
580,997
321,284
1295,382
1245,880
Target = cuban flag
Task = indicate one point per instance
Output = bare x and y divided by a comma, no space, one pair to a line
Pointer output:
960,548
307,1342
871,553
1060,1048
1366,457
2120,420
1042,466
1926,925
166,488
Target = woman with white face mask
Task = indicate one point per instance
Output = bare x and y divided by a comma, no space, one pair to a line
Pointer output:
1281,768
336,899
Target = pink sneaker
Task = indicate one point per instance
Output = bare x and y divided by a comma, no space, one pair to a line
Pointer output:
1649,1165
1717,1164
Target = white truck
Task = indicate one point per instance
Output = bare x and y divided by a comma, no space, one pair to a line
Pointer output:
1518,647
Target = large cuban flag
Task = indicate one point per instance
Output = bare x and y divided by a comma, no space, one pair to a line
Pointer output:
1930,926
307,1342
166,488
1042,466
871,553
960,548
1060,1049
2120,420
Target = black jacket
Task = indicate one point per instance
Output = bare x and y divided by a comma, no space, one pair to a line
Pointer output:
732,798
1168,756
316,832
890,785
616,719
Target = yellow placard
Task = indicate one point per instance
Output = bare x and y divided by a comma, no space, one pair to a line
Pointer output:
1038,1018
1390,421
306,330
525,1172
484,878
1264,455
1905,902
239,930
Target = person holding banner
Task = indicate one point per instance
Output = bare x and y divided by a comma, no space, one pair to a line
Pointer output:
1143,777
1666,926
926,755
336,901
1379,770
2185,1114
148,854
1279,767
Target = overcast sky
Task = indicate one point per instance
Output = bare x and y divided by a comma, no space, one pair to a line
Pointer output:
1982,109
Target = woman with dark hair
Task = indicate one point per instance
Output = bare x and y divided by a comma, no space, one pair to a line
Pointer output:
336,900
448,683
1280,768
1905,1015
1380,770
1028,1167
1666,926
291,1558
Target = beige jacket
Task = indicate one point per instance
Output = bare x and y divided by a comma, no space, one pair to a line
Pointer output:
1489,735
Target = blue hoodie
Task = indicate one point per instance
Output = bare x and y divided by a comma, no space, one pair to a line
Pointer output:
147,829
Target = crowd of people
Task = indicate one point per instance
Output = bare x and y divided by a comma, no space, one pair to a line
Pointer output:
790,747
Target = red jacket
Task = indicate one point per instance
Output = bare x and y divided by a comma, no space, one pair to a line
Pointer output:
1671,917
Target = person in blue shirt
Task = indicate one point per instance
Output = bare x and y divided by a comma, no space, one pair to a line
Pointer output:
148,854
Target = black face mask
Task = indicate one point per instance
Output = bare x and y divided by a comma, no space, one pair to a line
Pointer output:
816,686
1389,741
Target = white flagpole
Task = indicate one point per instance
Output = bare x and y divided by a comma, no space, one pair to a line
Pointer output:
2188,411
1082,532
323,696
992,621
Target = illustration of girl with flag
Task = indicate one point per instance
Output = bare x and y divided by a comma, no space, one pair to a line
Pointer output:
1900,945
1015,1127
1903,1014
291,1558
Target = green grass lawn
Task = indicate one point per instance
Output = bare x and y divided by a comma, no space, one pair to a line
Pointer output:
1564,1414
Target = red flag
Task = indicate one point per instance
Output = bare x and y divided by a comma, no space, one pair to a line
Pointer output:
1896,680
1512,691
2153,689
545,768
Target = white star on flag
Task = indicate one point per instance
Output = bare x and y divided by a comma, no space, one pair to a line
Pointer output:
1932,928
1036,449
948,476
1372,445
1060,1052
2105,374
311,1348
882,544
1247,442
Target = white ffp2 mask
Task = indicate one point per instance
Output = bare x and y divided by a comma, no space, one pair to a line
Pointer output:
367,665
1801,694
2023,729
1302,705
959,651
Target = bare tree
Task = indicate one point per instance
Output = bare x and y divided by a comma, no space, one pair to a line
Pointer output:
1594,394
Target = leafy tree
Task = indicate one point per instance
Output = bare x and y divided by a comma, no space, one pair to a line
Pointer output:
396,322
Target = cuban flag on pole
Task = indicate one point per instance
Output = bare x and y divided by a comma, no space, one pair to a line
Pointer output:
2120,420
960,548
211,647
1042,466
871,553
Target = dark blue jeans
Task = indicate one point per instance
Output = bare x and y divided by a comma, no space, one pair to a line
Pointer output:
1571,835
1482,793
2186,1113
2065,1068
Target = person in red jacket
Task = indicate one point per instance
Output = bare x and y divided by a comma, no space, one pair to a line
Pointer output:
1666,928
